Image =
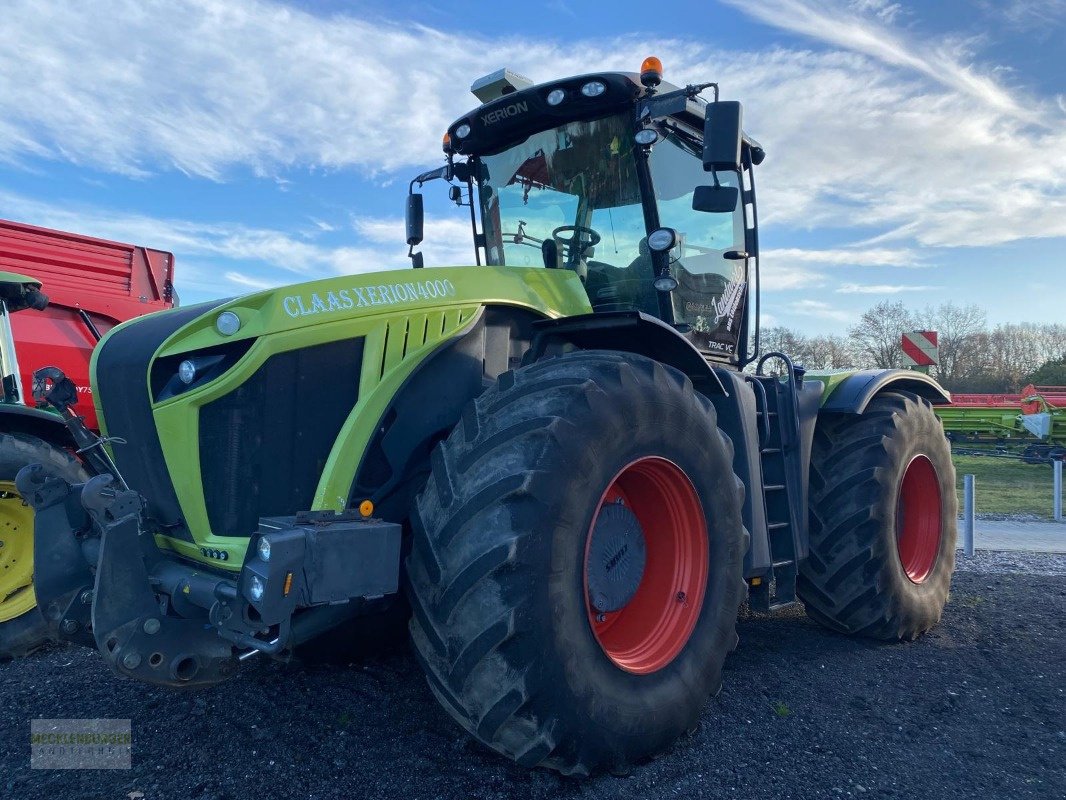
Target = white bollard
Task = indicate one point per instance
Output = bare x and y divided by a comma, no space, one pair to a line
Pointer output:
967,513
1058,489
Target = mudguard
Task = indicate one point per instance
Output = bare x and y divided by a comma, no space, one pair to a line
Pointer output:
852,394
632,332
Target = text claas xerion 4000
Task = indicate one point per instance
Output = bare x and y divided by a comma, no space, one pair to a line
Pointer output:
556,458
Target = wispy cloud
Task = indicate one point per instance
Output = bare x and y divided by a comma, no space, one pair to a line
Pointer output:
913,142
820,310
882,288
846,256
231,257
848,27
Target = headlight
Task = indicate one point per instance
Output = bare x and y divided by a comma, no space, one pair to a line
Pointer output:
256,588
593,88
462,131
662,239
665,283
646,136
263,549
556,96
227,323
187,371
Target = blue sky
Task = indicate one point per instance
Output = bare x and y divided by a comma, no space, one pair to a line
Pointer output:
916,151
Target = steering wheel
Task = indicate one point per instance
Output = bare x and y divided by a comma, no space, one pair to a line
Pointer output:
578,232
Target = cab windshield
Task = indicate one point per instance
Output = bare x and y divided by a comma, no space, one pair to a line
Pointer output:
568,198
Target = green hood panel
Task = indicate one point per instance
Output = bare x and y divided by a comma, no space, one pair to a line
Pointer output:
554,293
402,317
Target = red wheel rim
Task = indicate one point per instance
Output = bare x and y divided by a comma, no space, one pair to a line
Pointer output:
652,628
918,519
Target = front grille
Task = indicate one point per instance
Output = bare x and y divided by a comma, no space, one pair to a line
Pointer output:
264,445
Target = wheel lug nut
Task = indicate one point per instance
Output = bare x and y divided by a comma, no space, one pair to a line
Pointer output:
70,626
151,626
131,660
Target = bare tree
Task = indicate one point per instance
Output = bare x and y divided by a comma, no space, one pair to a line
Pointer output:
957,329
878,333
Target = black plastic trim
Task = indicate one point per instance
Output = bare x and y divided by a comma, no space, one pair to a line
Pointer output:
855,392
122,368
631,332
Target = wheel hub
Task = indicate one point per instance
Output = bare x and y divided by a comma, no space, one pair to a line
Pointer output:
918,528
16,554
617,555
646,565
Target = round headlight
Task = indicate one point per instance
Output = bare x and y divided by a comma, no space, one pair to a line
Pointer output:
256,588
593,88
665,283
187,372
662,239
646,136
264,549
462,131
556,96
227,323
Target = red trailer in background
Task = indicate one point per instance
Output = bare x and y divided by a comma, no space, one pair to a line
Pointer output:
59,293
92,285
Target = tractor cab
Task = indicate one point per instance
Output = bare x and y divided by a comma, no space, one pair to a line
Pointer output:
642,189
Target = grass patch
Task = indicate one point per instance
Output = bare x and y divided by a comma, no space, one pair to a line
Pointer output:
1007,485
781,709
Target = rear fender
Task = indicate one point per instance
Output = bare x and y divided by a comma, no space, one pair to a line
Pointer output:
853,394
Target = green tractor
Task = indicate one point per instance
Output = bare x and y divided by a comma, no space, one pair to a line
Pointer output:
571,461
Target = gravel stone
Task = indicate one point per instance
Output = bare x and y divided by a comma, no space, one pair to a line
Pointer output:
975,708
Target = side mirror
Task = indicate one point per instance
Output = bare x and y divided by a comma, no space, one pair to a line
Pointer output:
414,219
715,199
722,135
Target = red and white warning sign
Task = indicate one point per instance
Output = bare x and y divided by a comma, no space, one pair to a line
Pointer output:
920,349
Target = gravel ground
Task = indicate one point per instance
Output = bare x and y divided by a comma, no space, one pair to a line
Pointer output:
975,708
1006,562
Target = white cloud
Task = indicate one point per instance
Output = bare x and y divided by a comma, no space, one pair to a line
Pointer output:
881,288
848,28
870,257
781,277
820,310
904,138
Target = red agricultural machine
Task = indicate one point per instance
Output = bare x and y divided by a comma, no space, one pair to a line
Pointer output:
59,294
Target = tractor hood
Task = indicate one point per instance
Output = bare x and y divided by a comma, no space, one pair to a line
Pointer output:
239,409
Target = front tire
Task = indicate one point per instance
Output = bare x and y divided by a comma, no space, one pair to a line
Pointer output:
538,630
882,520
22,628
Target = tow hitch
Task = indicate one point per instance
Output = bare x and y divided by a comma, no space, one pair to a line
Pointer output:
164,621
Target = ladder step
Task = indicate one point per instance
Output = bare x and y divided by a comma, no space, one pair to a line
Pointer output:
773,526
769,451
775,487
777,564
768,413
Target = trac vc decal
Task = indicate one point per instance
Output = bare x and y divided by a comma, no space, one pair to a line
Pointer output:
390,294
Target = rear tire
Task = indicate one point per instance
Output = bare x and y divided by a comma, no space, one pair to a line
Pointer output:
22,628
882,520
498,577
